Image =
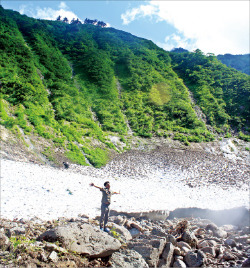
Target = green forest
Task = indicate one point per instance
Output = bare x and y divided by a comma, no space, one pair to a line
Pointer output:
74,83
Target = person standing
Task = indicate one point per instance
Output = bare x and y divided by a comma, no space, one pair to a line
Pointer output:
106,200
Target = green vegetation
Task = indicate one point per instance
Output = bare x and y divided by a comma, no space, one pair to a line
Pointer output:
238,62
76,84
222,93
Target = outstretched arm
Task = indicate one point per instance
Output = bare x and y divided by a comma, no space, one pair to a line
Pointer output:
92,184
116,192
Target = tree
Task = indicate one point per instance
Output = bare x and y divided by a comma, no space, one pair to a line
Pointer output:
101,24
58,18
65,20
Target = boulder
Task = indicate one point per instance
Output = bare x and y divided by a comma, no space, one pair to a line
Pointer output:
167,255
210,250
203,244
182,244
121,231
195,258
4,242
189,238
83,239
212,226
220,233
134,232
246,263
230,242
160,232
128,259
179,263
228,255
150,249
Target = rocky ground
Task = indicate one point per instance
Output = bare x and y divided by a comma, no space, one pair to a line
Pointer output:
148,240
155,174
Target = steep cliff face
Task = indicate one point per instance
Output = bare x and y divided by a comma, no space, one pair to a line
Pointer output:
86,91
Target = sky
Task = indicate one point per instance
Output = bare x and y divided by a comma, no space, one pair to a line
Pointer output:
217,27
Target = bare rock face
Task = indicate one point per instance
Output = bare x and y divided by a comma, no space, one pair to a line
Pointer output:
83,239
128,259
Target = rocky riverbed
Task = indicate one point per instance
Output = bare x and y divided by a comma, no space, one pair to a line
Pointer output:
146,240
203,185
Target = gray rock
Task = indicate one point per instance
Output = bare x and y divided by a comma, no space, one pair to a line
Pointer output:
53,256
203,244
179,263
160,232
4,242
167,255
195,258
15,231
228,255
220,233
182,244
210,250
246,263
190,238
212,226
118,219
120,230
83,239
230,242
128,259
134,232
150,249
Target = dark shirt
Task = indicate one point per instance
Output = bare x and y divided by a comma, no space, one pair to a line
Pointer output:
106,195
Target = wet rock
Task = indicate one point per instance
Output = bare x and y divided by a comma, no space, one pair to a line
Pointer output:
83,239
195,258
128,259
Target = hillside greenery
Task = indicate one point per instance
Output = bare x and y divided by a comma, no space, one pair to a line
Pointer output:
77,84
238,62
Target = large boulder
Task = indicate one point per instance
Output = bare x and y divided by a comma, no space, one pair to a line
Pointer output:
83,239
128,259
150,248
190,238
195,258
120,231
167,256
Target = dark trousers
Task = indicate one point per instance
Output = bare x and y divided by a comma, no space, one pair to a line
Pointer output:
104,215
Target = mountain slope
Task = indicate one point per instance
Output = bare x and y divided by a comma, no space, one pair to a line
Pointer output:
75,86
238,62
